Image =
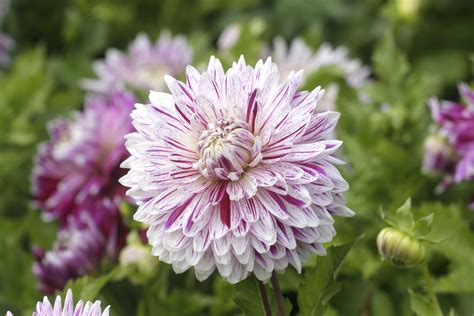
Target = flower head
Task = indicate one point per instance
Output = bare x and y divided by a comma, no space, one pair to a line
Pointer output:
45,308
78,250
143,66
300,56
439,155
232,170
78,169
455,121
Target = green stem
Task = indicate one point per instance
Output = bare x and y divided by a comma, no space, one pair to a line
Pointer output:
264,298
278,295
430,288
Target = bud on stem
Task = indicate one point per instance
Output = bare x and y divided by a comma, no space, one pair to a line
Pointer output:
399,248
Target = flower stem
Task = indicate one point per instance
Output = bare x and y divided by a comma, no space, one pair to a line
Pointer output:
430,288
264,298
278,295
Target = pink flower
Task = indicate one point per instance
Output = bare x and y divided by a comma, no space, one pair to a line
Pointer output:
78,169
79,250
232,171
456,124
45,308
143,66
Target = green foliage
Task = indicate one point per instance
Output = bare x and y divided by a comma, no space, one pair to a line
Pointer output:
320,283
421,305
248,298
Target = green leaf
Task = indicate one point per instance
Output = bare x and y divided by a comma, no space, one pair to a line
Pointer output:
88,288
423,225
421,305
389,63
320,283
386,217
404,216
247,297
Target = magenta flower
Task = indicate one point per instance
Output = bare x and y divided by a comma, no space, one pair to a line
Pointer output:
79,250
45,308
143,66
456,124
78,169
232,170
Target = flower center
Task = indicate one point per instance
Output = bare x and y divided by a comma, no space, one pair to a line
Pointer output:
225,149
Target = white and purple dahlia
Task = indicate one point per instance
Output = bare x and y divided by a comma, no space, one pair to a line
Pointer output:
455,123
79,250
233,170
143,66
78,169
6,46
298,55
45,308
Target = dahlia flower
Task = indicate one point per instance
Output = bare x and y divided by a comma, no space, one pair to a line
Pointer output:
232,171
77,171
45,308
229,38
78,250
439,155
300,56
143,66
455,123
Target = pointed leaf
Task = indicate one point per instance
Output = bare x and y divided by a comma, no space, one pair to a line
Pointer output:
404,216
320,283
421,305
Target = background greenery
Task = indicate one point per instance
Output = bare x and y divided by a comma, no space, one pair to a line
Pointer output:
416,49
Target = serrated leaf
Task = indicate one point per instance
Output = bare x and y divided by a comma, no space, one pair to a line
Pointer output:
423,225
386,217
404,216
421,305
88,288
389,63
320,283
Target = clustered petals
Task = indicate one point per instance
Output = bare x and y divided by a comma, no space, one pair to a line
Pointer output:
453,156
45,308
75,181
143,66
233,170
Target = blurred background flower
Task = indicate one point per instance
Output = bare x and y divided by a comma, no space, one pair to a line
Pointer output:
143,66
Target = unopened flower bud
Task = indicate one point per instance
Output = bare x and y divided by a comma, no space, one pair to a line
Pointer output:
399,248
408,9
439,155
136,256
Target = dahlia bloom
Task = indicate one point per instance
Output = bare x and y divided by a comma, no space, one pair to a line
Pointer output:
78,250
300,56
229,38
455,123
78,169
232,171
439,156
143,66
45,308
